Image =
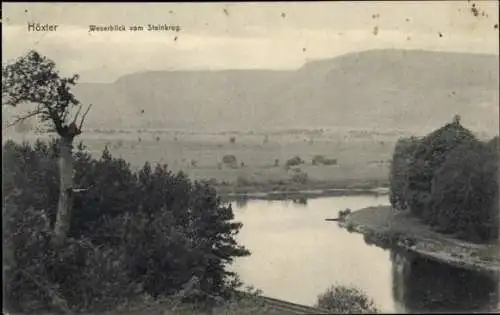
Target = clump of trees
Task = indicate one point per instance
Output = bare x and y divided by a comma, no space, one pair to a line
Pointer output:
295,161
449,180
321,160
466,201
346,300
230,160
150,231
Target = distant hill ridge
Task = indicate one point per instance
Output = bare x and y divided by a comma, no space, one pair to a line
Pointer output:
378,89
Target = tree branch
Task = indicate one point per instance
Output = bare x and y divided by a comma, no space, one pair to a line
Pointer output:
83,117
27,116
77,113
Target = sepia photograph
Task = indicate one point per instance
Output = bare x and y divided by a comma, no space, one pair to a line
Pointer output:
227,158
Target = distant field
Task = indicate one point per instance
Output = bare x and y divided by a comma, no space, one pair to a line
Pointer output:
358,159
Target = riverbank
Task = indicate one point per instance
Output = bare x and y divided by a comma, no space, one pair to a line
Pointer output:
381,227
299,192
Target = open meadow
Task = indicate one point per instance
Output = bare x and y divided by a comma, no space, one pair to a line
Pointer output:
358,160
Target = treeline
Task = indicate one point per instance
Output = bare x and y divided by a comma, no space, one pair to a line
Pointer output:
148,232
449,179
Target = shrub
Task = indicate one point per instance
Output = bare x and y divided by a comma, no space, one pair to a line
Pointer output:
296,160
230,161
346,300
321,160
318,159
149,231
330,162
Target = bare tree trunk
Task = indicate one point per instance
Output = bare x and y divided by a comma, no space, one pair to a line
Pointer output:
65,203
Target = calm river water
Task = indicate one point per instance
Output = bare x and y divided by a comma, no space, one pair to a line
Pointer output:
297,255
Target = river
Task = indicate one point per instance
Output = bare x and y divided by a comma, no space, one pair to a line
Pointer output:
297,255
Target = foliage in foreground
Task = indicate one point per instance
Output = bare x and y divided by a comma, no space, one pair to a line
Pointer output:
449,180
346,300
131,233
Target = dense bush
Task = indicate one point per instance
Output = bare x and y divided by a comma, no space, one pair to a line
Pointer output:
345,300
330,162
296,160
230,160
449,180
321,160
149,231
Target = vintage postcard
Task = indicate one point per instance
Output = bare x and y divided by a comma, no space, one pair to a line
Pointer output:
250,157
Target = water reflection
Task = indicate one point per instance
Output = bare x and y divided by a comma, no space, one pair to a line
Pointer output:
302,201
297,255
241,203
422,285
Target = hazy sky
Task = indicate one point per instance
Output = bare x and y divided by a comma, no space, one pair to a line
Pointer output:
240,35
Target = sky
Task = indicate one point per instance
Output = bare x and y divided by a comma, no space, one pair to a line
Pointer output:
244,35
